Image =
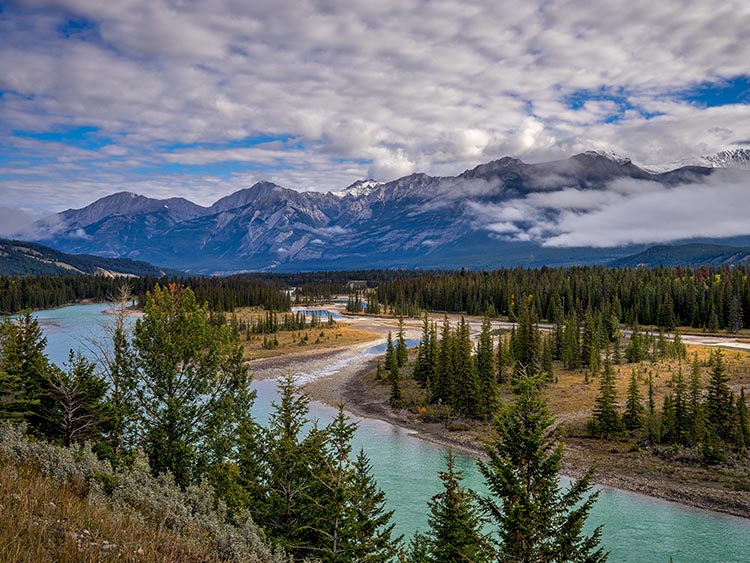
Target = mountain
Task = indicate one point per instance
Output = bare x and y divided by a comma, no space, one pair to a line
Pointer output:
479,218
730,158
686,255
18,258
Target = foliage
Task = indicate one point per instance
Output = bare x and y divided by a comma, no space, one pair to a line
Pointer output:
536,521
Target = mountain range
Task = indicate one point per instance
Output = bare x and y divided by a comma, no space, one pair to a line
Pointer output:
417,221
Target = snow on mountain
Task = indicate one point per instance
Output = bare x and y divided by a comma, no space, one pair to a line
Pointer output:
360,188
730,158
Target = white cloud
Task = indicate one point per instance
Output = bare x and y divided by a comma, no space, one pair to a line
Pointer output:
386,87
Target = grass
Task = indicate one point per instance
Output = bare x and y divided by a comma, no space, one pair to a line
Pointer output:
41,520
288,342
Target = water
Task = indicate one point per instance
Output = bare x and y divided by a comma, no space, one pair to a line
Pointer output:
637,528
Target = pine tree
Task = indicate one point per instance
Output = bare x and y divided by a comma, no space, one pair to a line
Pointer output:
372,538
25,366
606,420
394,378
695,405
719,411
389,351
485,367
424,361
736,315
536,521
743,423
455,526
193,385
571,343
443,386
527,351
78,410
466,389
633,417
402,354
681,409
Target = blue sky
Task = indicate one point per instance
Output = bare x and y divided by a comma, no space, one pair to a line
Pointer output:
199,99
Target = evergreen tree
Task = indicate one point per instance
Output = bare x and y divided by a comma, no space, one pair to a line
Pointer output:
571,355
485,367
466,389
443,387
277,467
424,363
606,420
78,410
736,315
636,349
681,409
389,351
536,521
25,366
394,378
402,354
695,407
193,388
372,538
719,411
633,417
527,351
455,526
743,423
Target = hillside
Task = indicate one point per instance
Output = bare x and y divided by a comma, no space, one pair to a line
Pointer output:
686,255
18,258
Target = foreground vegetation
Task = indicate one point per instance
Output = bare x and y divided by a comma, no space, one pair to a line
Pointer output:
168,410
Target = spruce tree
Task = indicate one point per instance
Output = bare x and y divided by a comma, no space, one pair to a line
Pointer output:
695,402
485,367
536,521
455,525
743,423
402,354
78,411
466,389
394,378
606,420
633,417
719,411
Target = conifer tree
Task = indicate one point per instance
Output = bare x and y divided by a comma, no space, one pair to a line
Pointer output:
193,387
443,387
527,351
743,423
485,366
402,354
571,343
719,411
372,539
389,351
466,389
633,417
681,408
695,406
424,362
394,378
455,525
606,420
25,366
536,521
78,410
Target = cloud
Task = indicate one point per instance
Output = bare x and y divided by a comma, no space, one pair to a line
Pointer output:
625,212
376,90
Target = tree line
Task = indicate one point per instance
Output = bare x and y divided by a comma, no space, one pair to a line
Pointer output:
221,294
710,298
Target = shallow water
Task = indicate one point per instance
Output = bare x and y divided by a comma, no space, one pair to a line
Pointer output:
637,528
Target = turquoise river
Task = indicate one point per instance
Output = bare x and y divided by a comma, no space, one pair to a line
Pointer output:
637,528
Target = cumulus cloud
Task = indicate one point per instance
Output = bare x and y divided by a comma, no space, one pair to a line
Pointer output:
625,212
378,89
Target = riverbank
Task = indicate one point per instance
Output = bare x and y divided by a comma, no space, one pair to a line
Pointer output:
347,378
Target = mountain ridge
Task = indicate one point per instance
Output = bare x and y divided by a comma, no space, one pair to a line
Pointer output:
415,221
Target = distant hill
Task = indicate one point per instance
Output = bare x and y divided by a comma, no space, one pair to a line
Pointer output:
686,255
18,258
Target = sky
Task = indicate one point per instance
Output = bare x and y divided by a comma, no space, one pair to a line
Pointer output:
201,98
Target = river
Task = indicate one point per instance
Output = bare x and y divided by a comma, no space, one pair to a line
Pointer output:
637,528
